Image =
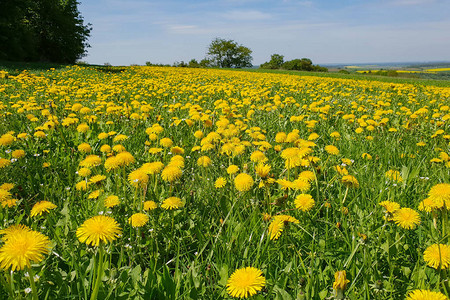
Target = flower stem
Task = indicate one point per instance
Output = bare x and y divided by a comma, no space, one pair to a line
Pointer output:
98,280
33,285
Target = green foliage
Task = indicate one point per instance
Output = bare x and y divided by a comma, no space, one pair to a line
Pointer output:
229,54
304,64
42,30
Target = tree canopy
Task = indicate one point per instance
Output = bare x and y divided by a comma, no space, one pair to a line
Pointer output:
42,30
229,54
304,64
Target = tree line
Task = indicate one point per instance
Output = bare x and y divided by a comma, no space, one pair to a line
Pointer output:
229,54
42,30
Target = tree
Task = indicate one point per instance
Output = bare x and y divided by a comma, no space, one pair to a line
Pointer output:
276,60
42,30
229,54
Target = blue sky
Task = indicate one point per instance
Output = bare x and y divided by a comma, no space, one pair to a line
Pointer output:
326,31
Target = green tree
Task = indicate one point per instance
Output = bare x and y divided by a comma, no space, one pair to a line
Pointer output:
42,30
276,61
229,54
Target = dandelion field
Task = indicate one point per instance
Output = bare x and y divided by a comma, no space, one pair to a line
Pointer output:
176,183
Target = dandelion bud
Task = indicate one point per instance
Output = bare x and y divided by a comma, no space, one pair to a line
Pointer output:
340,284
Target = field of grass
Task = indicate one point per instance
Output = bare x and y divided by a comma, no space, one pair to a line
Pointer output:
177,183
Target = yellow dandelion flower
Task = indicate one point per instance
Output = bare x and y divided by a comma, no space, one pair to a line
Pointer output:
150,205
40,207
333,150
232,169
4,195
23,247
125,158
172,203
440,193
262,170
95,194
406,218
166,142
105,149
111,201
171,173
85,148
177,150
12,230
204,161
138,178
7,186
437,256
119,148
301,185
350,181
245,282
153,167
9,203
243,182
340,280
84,172
138,220
4,162
91,161
258,156
220,182
82,185
394,175
425,295
98,229
111,163
304,202
96,178
119,138
275,229
390,206
18,153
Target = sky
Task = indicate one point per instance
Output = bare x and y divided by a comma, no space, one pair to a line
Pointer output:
326,31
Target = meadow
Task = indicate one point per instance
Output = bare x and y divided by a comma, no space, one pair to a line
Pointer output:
177,183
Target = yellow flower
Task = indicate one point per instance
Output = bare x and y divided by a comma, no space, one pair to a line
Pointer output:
333,150
91,161
111,163
243,182
41,207
96,178
111,201
258,156
277,225
406,218
7,186
4,162
84,147
204,161
440,193
18,154
304,202
232,169
98,229
22,247
171,173
94,194
390,206
138,220
82,185
119,148
425,295
125,158
350,181
220,182
262,170
153,167
172,203
301,185
138,178
245,282
105,148
4,195
166,142
340,280
150,205
84,172
437,256
394,176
